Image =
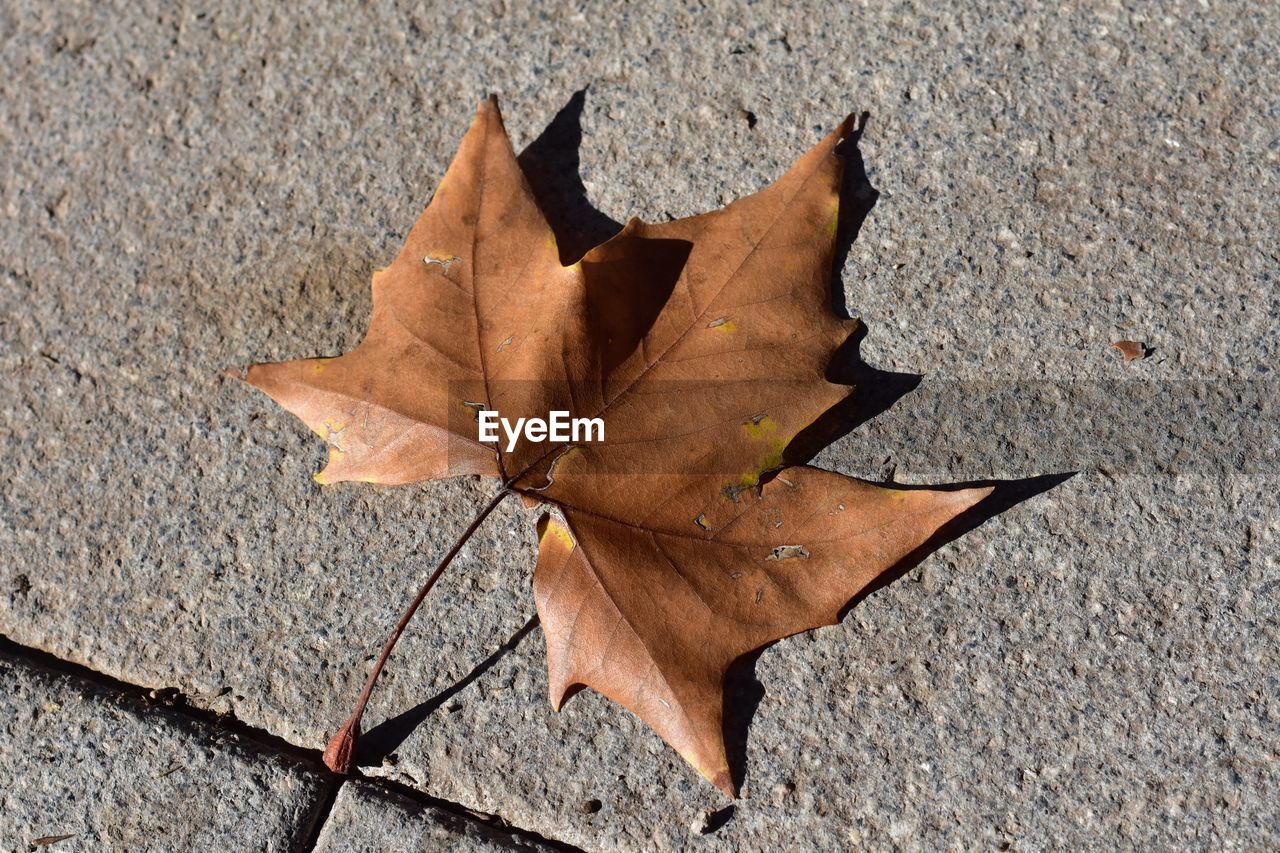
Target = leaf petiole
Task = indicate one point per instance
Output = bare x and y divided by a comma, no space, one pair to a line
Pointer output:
340,753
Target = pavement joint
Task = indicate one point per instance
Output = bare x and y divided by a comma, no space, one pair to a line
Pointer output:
171,701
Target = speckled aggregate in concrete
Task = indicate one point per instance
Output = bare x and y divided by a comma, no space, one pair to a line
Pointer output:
366,819
78,761
186,190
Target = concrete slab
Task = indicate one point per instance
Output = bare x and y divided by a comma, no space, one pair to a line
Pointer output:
84,763
190,190
365,818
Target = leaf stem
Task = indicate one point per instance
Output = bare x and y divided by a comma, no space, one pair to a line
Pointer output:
340,753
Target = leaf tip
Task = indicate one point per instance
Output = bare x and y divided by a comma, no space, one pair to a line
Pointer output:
718,774
848,127
981,493
558,691
965,499
489,107
724,781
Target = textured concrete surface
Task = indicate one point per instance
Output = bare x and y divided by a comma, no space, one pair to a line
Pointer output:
191,189
364,818
78,761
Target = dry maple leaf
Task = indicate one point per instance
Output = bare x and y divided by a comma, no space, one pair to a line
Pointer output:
680,542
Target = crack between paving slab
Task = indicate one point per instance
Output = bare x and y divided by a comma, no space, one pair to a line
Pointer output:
321,816
493,827
168,699
172,701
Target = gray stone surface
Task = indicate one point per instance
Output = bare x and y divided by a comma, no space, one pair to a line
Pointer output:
83,762
365,818
187,190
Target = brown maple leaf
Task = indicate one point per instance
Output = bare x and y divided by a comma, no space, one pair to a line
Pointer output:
680,542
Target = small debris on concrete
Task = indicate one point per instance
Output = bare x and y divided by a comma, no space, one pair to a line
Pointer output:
1131,350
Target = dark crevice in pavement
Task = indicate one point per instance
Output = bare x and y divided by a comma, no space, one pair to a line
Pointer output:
163,699
172,702
502,831
311,834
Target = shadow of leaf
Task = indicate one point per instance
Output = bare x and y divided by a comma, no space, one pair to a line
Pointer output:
551,165
385,738
744,692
